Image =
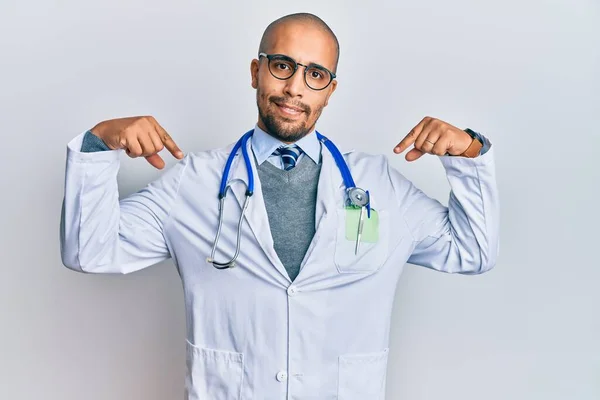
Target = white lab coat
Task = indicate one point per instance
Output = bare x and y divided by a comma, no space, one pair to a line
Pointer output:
251,332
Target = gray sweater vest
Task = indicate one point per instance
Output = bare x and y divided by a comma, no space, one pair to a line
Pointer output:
290,200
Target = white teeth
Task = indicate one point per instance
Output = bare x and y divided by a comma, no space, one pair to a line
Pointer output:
290,110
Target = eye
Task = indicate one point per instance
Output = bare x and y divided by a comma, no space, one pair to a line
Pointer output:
316,74
282,65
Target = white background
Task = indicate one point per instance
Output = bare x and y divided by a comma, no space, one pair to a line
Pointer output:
524,73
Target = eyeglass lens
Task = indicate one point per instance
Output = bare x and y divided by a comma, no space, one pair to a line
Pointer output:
283,68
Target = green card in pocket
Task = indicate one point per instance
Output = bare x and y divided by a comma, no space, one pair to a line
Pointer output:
370,233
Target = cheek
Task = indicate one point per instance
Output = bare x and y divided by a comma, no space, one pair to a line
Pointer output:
316,109
264,92
267,85
262,96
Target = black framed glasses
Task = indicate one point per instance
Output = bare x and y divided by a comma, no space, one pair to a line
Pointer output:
283,67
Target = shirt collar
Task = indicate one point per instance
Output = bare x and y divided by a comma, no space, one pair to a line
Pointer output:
263,145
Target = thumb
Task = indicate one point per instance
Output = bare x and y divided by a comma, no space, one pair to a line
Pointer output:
413,155
156,161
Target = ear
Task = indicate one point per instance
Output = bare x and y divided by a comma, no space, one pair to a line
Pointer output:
332,88
254,73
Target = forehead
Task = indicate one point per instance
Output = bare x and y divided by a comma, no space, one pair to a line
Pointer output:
304,42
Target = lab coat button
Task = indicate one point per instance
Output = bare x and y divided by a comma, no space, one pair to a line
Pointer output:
281,376
292,290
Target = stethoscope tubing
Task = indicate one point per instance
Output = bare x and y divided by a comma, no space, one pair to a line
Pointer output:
243,144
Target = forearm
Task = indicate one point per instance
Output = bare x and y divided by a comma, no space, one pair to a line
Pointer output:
101,234
90,207
463,237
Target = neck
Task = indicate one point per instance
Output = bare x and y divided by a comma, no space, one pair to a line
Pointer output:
262,126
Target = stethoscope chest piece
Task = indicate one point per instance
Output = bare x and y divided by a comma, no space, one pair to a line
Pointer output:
358,197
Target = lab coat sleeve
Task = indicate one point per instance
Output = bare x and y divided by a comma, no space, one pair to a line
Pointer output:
463,237
100,233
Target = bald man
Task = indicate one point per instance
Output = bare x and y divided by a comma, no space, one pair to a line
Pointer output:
289,266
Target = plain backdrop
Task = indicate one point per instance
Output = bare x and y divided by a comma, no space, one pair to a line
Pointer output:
523,73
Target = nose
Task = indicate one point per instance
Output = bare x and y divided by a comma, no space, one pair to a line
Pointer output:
294,86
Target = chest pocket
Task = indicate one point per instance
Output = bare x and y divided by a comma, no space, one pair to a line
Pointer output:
370,257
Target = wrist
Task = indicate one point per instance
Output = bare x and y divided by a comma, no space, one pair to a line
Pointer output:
100,131
474,148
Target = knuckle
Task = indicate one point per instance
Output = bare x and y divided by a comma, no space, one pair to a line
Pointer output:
142,123
148,148
152,121
136,151
136,122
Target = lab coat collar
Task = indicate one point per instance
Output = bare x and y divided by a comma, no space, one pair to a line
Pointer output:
263,145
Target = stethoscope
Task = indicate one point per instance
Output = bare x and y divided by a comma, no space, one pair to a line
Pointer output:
357,197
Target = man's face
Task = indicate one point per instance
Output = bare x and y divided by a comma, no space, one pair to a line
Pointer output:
289,109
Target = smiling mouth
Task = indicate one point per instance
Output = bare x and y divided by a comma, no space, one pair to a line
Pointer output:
289,109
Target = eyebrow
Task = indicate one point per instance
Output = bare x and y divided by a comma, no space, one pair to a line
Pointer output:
310,64
318,66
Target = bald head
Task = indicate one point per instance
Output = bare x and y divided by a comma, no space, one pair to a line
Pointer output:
289,107
298,18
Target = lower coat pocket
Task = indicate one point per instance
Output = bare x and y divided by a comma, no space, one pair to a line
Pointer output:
213,374
362,376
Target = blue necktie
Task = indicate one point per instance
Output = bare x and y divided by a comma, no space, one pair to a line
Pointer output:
289,155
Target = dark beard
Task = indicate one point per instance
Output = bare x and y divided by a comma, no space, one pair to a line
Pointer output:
276,128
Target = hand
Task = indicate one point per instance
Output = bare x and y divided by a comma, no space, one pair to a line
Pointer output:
139,136
434,136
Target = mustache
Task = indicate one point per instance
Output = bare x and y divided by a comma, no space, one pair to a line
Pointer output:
286,101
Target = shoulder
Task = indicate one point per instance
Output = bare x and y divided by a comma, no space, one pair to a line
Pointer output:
211,156
203,163
371,167
363,160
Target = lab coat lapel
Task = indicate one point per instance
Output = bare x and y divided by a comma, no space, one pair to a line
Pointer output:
256,215
330,197
329,189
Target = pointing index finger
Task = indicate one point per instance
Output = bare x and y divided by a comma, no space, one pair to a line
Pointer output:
168,141
404,143
409,139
